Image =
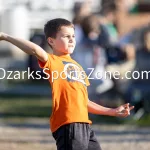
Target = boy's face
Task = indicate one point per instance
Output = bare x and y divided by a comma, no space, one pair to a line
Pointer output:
64,43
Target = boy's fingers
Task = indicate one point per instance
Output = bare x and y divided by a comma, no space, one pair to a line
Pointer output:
126,105
131,107
125,114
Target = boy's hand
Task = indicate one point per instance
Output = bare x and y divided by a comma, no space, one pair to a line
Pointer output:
123,110
2,36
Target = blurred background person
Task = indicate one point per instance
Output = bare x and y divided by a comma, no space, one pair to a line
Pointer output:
108,13
80,10
141,81
92,56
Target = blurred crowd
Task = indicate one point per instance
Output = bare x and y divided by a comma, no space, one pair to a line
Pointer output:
100,46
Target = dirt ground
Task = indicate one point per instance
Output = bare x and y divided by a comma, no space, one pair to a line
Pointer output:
35,135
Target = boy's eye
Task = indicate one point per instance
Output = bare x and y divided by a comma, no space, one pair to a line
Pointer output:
66,36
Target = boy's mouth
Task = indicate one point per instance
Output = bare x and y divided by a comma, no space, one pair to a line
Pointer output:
71,46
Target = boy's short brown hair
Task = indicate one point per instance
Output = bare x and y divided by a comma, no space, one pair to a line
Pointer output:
53,26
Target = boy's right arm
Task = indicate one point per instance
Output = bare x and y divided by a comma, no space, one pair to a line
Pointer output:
26,46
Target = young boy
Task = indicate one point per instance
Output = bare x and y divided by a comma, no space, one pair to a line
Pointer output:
69,120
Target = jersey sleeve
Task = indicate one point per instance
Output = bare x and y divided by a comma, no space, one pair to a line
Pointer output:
47,64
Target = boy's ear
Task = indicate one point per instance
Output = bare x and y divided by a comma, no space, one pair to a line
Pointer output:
50,41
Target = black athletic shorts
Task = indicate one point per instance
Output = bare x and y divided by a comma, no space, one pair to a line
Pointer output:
76,136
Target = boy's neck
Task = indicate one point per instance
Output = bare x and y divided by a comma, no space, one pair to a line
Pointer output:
60,54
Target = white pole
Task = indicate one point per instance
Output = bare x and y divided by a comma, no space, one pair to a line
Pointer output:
15,22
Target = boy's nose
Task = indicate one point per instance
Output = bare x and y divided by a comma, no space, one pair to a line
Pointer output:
71,40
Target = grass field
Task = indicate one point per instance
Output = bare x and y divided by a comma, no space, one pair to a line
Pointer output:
21,108
25,107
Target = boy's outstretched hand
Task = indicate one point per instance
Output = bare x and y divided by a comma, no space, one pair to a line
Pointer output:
1,36
123,110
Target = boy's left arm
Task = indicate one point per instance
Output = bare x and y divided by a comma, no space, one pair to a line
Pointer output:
121,111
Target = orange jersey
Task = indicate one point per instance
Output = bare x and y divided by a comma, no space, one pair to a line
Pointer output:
69,91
